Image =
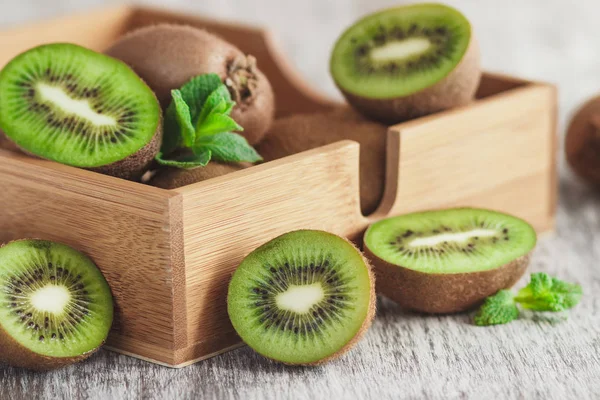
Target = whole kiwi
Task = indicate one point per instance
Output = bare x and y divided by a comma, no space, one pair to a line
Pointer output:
171,177
582,145
303,132
167,56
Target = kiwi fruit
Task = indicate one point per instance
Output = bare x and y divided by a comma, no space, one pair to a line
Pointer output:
68,104
303,298
448,261
582,144
301,132
406,62
171,177
168,56
55,306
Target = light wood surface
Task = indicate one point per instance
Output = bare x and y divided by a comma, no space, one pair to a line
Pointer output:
168,255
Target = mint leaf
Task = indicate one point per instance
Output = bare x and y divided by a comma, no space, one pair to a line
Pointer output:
186,161
198,126
194,93
544,293
497,309
184,119
228,147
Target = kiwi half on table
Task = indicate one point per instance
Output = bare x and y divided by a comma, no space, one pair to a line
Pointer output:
407,62
55,306
167,56
68,104
302,298
449,260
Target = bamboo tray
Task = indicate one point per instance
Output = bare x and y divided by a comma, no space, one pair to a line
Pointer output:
168,254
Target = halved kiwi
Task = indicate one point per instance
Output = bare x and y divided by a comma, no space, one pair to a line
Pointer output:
303,298
167,56
448,260
65,103
408,61
55,306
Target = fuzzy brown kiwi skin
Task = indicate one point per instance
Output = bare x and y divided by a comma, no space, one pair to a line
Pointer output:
455,90
6,143
16,355
297,133
582,143
167,56
171,177
443,293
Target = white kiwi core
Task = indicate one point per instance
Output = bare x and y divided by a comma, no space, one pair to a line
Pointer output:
300,298
398,50
458,237
51,298
81,108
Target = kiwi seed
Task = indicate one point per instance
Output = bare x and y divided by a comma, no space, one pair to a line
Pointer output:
304,298
448,260
55,306
167,56
72,105
301,132
406,62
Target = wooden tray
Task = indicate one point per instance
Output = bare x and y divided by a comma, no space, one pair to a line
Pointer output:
168,255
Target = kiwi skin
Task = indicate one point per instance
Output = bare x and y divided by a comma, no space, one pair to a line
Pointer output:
443,293
171,177
301,132
455,90
6,143
167,56
14,354
582,143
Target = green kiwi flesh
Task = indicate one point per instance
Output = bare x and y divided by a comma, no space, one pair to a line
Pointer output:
303,298
68,104
448,260
55,306
407,61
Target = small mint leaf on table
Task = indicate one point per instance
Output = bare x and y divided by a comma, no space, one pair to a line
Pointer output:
228,147
544,293
198,125
497,309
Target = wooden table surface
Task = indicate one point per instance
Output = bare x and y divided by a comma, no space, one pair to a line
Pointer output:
404,355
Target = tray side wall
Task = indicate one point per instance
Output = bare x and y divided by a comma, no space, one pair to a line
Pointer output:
498,153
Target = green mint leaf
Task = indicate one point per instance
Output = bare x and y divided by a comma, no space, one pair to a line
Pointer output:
228,147
497,309
184,119
216,123
186,161
194,93
544,293
218,101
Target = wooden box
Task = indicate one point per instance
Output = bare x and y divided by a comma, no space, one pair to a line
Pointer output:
168,255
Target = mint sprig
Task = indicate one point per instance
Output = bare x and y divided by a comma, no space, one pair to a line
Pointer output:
198,127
